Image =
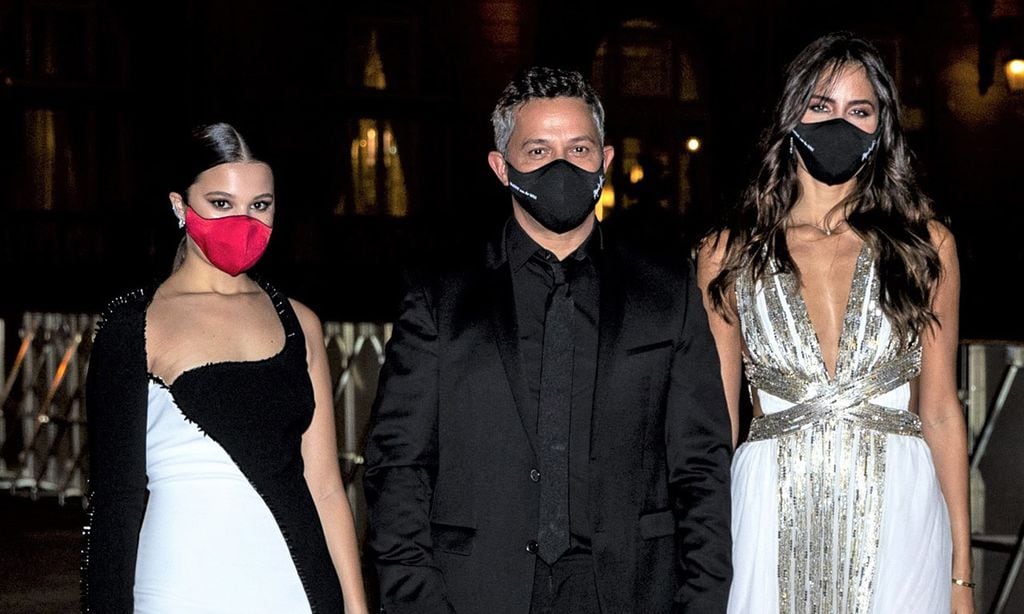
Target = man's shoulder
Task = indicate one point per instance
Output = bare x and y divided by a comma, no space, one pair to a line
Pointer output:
452,268
650,267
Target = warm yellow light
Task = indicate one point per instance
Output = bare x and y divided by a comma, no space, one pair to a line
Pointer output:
607,201
693,144
636,174
1015,75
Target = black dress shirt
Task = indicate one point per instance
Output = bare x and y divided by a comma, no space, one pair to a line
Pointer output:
531,284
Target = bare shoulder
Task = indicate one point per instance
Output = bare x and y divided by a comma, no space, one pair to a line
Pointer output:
710,253
942,239
944,243
308,319
713,245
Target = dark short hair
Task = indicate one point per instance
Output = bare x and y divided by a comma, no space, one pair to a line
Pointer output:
541,82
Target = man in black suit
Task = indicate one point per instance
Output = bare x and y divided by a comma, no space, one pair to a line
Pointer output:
550,432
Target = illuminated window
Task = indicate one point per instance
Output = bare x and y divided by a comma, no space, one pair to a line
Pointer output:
380,55
378,180
373,68
688,91
649,70
381,66
631,166
644,60
55,148
649,77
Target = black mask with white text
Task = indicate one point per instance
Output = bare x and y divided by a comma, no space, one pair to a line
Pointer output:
834,150
559,195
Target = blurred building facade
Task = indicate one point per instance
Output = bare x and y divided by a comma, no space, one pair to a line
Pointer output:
376,119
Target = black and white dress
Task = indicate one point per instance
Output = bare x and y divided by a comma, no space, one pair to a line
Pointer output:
198,502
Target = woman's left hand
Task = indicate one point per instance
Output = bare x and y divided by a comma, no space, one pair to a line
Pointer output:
963,600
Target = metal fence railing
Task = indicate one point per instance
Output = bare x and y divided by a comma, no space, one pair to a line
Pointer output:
995,414
42,402
44,452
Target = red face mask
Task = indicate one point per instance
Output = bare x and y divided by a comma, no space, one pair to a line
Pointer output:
232,244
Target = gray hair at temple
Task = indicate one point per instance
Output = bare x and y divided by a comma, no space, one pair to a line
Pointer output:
541,82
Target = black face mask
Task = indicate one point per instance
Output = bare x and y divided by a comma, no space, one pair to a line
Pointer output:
559,195
833,151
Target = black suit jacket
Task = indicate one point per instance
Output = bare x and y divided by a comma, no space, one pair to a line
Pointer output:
451,504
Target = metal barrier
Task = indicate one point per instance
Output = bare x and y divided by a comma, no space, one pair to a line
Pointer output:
42,416
988,373
44,392
355,352
42,403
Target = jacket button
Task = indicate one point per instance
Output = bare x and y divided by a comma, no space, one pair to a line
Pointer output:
534,475
532,547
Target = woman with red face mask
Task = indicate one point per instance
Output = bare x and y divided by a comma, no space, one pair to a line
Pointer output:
214,479
834,291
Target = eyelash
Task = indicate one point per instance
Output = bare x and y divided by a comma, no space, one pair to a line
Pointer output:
821,107
581,150
260,205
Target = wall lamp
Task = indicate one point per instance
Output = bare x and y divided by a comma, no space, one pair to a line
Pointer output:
1015,74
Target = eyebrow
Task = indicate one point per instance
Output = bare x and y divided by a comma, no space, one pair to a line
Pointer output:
829,99
228,195
576,139
532,142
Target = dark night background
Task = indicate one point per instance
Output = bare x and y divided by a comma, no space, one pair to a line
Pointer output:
376,119
95,94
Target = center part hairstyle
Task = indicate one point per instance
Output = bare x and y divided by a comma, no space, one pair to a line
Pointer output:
209,145
886,208
541,82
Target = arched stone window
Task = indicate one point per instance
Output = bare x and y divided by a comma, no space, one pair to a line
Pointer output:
650,79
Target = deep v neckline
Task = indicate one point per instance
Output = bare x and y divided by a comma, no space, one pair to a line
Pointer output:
805,327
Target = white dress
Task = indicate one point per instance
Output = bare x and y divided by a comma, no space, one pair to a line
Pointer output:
836,504
209,543
198,498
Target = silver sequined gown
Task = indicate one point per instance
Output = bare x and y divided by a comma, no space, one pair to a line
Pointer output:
836,505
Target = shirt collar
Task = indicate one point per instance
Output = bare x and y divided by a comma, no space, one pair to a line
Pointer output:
520,247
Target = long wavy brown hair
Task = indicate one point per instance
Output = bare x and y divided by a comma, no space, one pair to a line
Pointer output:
886,208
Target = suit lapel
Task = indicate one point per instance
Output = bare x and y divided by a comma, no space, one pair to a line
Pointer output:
503,321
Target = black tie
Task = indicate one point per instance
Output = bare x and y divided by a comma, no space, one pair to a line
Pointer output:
553,419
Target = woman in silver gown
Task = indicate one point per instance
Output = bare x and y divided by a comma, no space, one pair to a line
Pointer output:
834,290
